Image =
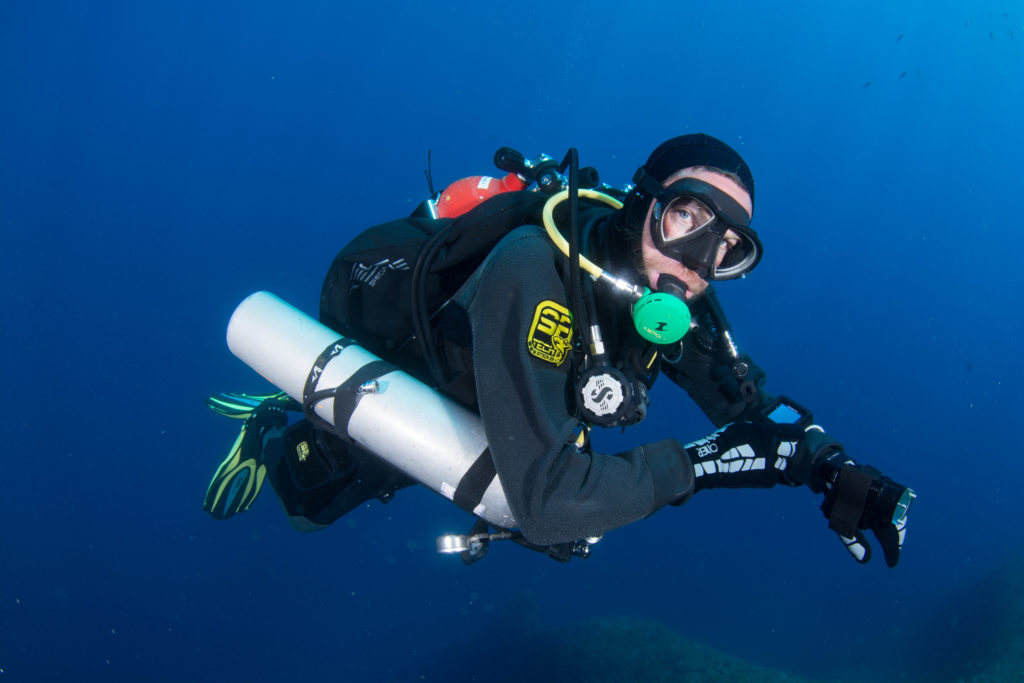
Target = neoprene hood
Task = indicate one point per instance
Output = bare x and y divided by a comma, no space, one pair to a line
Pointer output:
684,151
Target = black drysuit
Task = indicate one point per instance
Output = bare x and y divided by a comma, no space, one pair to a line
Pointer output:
558,492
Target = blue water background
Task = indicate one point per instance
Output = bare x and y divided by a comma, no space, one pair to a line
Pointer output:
160,161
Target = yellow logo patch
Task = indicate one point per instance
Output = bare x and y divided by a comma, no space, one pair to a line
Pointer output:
551,332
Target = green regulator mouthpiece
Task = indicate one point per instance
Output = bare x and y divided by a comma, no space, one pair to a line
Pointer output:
660,317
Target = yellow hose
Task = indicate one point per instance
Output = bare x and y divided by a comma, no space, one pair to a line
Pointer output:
556,237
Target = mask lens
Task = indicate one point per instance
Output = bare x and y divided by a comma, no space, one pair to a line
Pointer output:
734,255
739,259
684,216
690,223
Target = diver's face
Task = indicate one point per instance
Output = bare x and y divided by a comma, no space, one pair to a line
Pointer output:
678,223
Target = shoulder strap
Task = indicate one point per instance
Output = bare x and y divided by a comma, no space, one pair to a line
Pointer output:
465,244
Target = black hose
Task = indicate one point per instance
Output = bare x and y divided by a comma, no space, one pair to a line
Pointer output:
430,177
420,314
715,308
579,306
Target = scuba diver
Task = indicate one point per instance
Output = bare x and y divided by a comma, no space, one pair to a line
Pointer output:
544,336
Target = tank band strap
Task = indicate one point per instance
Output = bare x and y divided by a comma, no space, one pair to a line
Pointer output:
347,395
313,378
474,483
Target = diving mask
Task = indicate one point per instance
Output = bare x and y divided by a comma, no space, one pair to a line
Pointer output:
689,224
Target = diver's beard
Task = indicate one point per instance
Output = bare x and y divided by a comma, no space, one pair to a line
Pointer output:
636,259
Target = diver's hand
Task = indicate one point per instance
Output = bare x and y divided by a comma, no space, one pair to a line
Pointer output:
858,498
890,537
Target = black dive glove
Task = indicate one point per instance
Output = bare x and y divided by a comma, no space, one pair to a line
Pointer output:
762,454
858,497
747,455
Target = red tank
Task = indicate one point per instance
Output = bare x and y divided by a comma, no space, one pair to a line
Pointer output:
468,193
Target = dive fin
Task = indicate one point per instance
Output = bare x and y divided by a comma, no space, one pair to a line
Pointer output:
238,480
240,406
